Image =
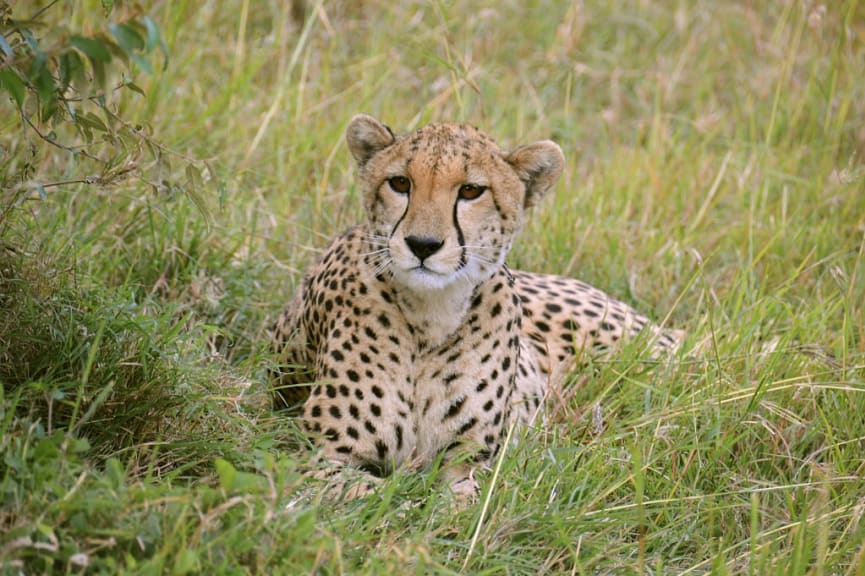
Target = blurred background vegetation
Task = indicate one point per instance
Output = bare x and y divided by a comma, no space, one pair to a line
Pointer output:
169,168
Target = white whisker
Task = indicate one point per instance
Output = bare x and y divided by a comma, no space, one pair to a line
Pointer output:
481,259
377,239
382,266
377,242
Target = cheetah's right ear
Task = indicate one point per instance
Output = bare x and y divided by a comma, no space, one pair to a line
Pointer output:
366,136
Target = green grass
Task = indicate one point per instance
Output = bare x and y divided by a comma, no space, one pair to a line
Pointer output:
715,178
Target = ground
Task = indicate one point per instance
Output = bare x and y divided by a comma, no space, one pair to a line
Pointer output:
713,178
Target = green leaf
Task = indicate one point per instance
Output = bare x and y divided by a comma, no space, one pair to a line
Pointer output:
98,72
92,48
127,38
47,531
154,38
4,45
141,62
79,445
227,473
116,473
248,482
131,42
230,479
42,79
31,41
93,121
186,562
10,82
193,178
193,194
134,87
71,69
45,450
83,128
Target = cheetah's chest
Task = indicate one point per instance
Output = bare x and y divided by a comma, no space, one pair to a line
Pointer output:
397,400
462,388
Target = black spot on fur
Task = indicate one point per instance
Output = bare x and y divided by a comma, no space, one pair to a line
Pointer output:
455,408
467,426
381,449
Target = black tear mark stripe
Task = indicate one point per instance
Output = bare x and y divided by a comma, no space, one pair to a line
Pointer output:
498,208
460,238
404,212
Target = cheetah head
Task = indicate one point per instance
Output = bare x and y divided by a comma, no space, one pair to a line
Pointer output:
444,202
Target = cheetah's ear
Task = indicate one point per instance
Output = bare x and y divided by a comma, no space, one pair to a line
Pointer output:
539,166
366,136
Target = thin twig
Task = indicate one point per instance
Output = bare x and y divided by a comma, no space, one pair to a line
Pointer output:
85,180
58,144
43,10
162,147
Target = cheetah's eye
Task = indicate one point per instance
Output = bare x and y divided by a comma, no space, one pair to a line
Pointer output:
399,184
471,191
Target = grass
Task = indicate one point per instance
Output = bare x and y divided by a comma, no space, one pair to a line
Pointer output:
715,178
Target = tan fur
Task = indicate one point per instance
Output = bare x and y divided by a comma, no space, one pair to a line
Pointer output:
411,337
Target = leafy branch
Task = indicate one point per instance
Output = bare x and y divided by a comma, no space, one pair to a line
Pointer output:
57,81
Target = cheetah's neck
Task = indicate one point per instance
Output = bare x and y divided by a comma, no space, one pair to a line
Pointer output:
435,314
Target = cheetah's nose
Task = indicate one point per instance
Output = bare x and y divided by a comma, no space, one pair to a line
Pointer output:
423,247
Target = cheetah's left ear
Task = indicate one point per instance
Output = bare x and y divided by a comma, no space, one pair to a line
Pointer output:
365,136
539,166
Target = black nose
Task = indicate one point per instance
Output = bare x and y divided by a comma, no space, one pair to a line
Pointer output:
422,247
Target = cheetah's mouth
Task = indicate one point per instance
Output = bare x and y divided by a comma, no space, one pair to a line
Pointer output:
426,272
424,269
423,277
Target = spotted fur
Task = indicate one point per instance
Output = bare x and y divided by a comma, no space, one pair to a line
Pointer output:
411,338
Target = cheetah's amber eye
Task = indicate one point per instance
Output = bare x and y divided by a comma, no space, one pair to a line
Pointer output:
399,184
471,191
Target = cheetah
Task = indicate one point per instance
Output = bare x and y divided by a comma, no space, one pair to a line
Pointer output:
411,339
